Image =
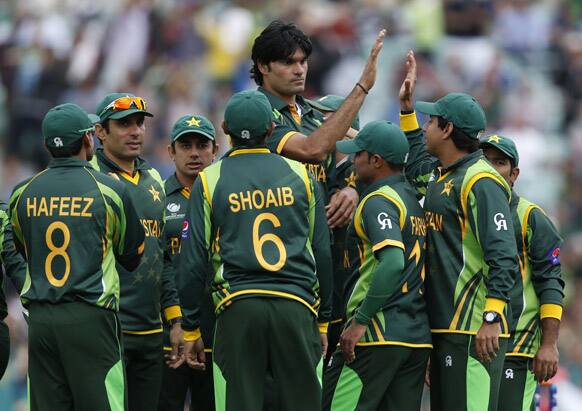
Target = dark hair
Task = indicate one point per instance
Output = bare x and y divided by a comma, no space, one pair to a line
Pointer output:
461,140
277,42
71,150
395,168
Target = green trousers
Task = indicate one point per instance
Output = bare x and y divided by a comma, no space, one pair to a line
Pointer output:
382,377
176,383
459,381
74,358
257,337
518,385
143,356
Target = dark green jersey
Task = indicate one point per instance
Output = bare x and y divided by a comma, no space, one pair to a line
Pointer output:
12,261
259,219
389,215
286,125
472,256
151,287
72,224
540,282
177,198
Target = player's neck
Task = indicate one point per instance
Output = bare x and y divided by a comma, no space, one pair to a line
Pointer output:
186,181
450,156
382,174
288,99
127,165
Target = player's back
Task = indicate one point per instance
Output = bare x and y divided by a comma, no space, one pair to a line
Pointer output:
263,207
67,217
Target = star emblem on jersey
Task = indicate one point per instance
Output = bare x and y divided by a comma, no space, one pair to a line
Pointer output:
155,193
447,188
351,180
495,139
193,122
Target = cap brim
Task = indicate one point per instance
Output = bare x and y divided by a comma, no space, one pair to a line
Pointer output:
348,147
425,107
504,151
94,118
121,114
202,133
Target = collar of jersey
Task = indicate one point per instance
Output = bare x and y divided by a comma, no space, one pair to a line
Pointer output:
247,150
386,181
464,160
68,162
140,163
279,104
172,184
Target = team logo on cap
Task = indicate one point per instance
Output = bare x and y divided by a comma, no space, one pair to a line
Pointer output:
58,142
245,134
193,122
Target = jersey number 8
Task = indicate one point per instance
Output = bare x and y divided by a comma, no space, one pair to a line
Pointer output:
60,251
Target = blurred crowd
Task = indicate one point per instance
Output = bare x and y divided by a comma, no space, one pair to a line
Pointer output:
522,59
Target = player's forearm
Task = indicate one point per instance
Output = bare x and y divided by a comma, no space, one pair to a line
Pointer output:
420,164
550,331
322,141
384,284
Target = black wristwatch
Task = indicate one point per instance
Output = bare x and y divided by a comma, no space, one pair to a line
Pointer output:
177,320
491,317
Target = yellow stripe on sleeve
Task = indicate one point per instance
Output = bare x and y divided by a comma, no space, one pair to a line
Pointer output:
172,312
192,335
551,311
495,304
408,122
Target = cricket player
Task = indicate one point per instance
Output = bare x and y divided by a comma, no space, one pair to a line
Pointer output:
121,131
386,344
345,176
75,227
537,298
260,219
472,255
280,55
192,148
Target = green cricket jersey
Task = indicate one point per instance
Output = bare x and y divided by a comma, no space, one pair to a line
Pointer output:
539,282
389,215
306,120
151,287
472,256
177,198
72,224
14,264
259,218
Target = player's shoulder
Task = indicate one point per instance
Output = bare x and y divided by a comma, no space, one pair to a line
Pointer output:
110,181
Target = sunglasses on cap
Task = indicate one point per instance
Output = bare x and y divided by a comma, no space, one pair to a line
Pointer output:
125,103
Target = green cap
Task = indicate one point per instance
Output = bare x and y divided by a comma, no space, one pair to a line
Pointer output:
332,103
64,124
503,144
105,109
378,137
460,109
248,114
192,124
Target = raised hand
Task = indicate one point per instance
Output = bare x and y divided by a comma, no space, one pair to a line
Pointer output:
409,83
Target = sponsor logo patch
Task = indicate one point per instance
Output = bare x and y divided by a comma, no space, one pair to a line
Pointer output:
554,256
185,230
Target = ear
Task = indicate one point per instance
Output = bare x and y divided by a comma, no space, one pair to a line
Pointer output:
448,130
100,132
223,126
513,176
214,151
264,68
270,130
171,152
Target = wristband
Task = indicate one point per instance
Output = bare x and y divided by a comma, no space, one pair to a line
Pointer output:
362,87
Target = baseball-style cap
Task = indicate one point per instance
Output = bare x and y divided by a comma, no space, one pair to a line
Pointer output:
248,115
119,105
460,109
192,124
332,103
64,124
378,137
503,144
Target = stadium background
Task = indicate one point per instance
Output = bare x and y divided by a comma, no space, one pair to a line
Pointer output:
522,59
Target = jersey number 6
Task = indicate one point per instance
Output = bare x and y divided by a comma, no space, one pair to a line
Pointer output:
259,241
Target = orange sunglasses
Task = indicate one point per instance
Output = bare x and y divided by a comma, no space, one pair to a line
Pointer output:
125,103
